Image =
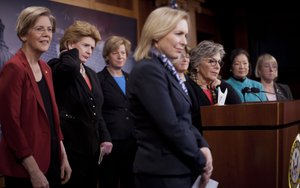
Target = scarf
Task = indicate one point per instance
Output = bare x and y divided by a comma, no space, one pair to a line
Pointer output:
170,67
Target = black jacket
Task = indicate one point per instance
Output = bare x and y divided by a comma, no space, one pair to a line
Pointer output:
81,118
283,92
199,98
168,143
115,107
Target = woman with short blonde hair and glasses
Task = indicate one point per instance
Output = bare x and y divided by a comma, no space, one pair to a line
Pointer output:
31,147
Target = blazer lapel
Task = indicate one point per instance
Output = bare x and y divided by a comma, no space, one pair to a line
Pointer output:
82,81
112,81
176,84
35,87
46,71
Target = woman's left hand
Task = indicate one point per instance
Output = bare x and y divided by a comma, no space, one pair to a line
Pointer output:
106,147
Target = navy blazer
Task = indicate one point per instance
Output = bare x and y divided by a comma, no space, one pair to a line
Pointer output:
168,143
115,108
80,108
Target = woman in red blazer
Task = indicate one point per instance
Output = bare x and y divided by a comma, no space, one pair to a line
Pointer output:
32,152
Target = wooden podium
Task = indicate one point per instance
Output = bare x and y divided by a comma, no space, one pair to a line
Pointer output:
251,142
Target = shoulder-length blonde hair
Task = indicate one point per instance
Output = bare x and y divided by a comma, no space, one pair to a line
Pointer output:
75,32
159,23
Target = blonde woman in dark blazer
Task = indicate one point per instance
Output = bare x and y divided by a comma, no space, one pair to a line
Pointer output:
170,149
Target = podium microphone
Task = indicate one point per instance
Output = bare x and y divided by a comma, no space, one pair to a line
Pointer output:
255,90
245,90
252,90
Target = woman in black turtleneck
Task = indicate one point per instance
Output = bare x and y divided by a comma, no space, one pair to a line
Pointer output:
240,68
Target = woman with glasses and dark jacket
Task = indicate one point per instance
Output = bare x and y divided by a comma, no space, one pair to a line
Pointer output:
203,84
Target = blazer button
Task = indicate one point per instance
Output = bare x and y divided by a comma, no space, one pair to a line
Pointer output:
127,118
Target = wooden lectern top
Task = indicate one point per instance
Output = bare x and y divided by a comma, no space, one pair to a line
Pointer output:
251,114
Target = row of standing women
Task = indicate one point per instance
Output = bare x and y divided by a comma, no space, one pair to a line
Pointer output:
145,125
55,139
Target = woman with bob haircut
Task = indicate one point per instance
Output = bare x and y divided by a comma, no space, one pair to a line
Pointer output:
31,147
116,168
267,70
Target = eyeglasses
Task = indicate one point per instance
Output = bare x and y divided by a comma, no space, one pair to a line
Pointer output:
40,29
214,62
184,56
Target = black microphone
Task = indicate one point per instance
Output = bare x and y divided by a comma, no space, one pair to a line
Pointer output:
255,90
245,90
252,90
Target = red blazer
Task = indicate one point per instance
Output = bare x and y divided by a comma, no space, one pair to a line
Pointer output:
24,121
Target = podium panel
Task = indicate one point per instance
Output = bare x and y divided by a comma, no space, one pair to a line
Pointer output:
251,143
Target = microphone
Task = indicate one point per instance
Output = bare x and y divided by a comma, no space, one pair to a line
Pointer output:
246,90
255,90
252,90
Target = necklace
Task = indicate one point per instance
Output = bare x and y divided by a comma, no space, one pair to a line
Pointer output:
82,70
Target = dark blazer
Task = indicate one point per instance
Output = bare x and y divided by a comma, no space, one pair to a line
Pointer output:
199,98
168,143
24,121
115,107
283,92
80,108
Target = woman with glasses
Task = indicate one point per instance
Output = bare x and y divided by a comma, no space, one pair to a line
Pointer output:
31,148
249,90
267,70
205,65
